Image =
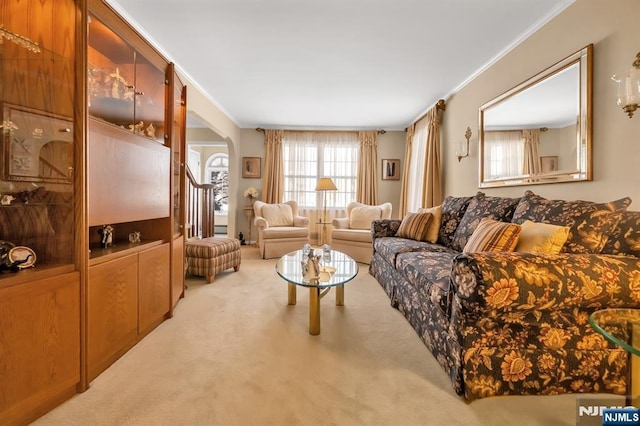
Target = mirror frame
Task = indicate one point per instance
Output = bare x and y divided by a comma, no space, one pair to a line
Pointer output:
584,131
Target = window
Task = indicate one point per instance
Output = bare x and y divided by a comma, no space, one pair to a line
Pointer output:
308,156
504,154
218,175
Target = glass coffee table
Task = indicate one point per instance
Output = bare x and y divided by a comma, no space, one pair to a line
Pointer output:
622,327
336,273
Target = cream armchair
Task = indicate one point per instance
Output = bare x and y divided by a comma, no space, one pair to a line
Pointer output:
352,234
280,228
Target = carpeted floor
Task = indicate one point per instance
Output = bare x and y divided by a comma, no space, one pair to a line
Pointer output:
236,354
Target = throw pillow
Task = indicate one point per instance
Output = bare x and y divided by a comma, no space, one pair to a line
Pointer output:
493,235
590,222
278,214
481,206
361,217
541,238
434,226
453,209
625,237
414,226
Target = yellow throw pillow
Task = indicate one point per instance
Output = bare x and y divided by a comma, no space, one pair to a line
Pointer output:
542,237
434,226
414,226
493,235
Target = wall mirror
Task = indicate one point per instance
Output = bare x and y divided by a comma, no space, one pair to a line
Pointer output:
540,131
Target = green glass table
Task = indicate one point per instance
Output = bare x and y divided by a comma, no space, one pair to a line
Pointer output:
335,273
622,327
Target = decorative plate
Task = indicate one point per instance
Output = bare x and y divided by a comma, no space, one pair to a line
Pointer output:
22,254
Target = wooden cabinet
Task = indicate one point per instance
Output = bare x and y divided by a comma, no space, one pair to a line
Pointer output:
154,287
39,346
112,307
128,295
92,134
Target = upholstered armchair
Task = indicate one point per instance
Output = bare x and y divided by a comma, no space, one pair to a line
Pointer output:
352,234
280,228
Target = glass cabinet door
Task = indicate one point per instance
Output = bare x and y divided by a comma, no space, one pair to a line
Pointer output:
110,75
124,88
37,98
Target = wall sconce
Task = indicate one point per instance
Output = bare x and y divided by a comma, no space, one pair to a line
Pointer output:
462,150
629,88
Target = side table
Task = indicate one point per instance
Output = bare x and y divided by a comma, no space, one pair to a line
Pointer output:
248,211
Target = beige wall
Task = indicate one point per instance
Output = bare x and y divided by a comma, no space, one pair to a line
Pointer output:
391,145
612,27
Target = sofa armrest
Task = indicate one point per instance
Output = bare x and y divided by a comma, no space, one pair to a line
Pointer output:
512,283
301,221
340,223
260,222
384,228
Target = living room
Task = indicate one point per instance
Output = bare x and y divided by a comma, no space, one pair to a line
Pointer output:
391,377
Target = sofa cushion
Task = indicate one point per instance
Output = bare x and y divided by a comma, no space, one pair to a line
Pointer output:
541,238
590,222
415,226
429,272
493,235
361,217
390,247
285,232
625,237
434,226
352,235
481,206
278,214
453,209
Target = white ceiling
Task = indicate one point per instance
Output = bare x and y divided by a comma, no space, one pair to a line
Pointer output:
338,64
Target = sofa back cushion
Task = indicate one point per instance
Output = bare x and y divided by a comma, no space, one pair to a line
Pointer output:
625,237
493,235
480,207
361,217
541,238
414,226
453,209
590,223
278,214
436,221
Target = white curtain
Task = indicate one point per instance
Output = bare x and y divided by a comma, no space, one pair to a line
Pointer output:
308,156
416,165
504,154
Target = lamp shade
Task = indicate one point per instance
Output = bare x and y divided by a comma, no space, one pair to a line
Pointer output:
326,184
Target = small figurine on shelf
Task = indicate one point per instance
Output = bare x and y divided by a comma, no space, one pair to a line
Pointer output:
106,233
7,199
151,131
134,237
138,129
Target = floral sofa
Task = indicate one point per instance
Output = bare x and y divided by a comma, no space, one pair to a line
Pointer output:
503,323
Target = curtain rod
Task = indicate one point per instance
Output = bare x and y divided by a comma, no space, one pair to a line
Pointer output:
380,132
441,105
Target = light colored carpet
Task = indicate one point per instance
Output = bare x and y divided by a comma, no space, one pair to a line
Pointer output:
236,354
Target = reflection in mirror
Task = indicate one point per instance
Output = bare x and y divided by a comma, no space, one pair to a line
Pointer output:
540,131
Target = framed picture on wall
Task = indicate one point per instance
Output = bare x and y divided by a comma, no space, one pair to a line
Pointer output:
390,169
549,163
251,167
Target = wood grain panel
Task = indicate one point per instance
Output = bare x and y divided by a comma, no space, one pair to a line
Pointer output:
129,176
39,346
177,271
154,287
112,311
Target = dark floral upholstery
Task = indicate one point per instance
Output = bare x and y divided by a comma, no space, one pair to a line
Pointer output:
509,323
453,209
590,222
625,237
481,206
